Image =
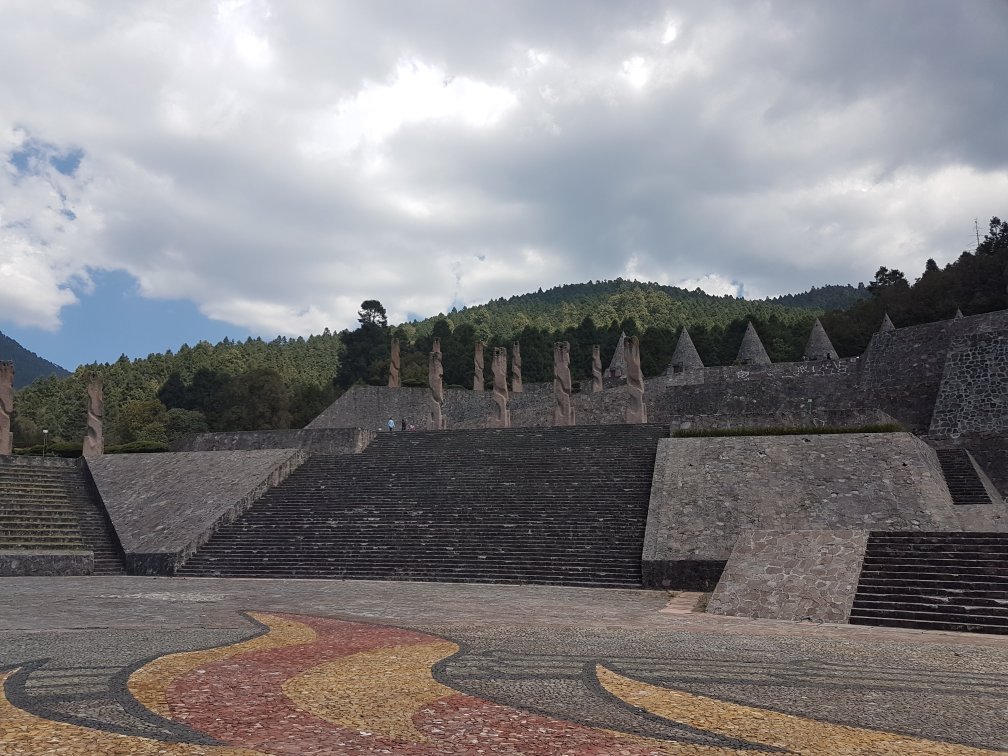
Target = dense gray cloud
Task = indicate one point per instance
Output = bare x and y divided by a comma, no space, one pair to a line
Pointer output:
277,163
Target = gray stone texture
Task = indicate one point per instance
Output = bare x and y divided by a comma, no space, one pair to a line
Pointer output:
516,368
597,385
6,407
685,357
636,409
478,366
617,367
819,346
320,440
973,395
94,440
163,506
394,364
707,491
887,325
751,351
34,563
791,575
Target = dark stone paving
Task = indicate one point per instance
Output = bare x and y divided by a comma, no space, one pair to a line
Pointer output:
537,651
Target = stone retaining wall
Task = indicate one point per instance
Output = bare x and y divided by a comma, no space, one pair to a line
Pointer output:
163,506
321,440
31,563
708,491
791,575
973,397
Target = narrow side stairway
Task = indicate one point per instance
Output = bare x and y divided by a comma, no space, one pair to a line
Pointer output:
934,581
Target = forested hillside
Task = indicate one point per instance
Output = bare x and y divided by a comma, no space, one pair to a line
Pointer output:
27,365
286,382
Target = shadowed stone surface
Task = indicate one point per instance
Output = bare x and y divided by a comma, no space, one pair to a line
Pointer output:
394,361
596,369
887,325
563,409
707,491
39,562
516,368
322,440
973,396
685,357
751,352
636,410
184,497
501,417
617,367
6,407
791,575
478,366
819,346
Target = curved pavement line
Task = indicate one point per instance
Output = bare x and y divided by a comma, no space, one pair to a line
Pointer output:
771,728
150,683
22,732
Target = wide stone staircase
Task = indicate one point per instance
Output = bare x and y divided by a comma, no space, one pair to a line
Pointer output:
934,581
55,508
963,482
564,506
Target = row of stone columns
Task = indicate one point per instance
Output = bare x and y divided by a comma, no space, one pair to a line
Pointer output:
563,407
94,440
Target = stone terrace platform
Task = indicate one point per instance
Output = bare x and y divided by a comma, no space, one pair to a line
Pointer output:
92,665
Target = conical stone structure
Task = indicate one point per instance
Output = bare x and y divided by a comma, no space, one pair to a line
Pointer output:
685,357
617,368
958,315
752,352
819,345
886,325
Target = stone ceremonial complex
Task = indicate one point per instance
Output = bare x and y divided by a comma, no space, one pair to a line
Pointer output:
842,519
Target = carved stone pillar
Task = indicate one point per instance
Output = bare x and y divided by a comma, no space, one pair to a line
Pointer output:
596,369
393,368
478,367
563,409
6,407
94,441
636,411
435,373
516,377
502,417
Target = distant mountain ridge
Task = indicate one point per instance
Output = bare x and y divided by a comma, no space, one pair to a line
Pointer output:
648,304
28,366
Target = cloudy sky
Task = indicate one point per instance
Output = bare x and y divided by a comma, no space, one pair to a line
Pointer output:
198,169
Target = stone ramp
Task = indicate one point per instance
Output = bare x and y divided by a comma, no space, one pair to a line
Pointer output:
934,581
51,506
564,506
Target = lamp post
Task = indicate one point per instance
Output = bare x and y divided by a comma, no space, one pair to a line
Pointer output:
45,439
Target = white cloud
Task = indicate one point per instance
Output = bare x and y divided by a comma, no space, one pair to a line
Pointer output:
279,163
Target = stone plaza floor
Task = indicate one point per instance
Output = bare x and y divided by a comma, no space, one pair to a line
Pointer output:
134,665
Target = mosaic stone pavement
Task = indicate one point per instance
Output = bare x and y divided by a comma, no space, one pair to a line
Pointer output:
293,683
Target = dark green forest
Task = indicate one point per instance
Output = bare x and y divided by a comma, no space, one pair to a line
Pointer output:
255,385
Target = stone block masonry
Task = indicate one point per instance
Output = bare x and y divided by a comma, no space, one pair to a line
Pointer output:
973,397
184,497
708,491
791,575
320,440
36,562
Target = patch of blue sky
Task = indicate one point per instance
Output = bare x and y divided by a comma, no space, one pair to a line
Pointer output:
32,154
114,319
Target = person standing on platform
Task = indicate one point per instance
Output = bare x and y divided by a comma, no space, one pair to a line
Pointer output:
391,425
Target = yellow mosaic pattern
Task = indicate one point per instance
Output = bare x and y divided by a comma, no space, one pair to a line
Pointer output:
378,691
747,723
150,683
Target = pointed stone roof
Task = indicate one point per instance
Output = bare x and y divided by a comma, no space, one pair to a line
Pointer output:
752,352
685,356
958,315
617,368
886,325
819,345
